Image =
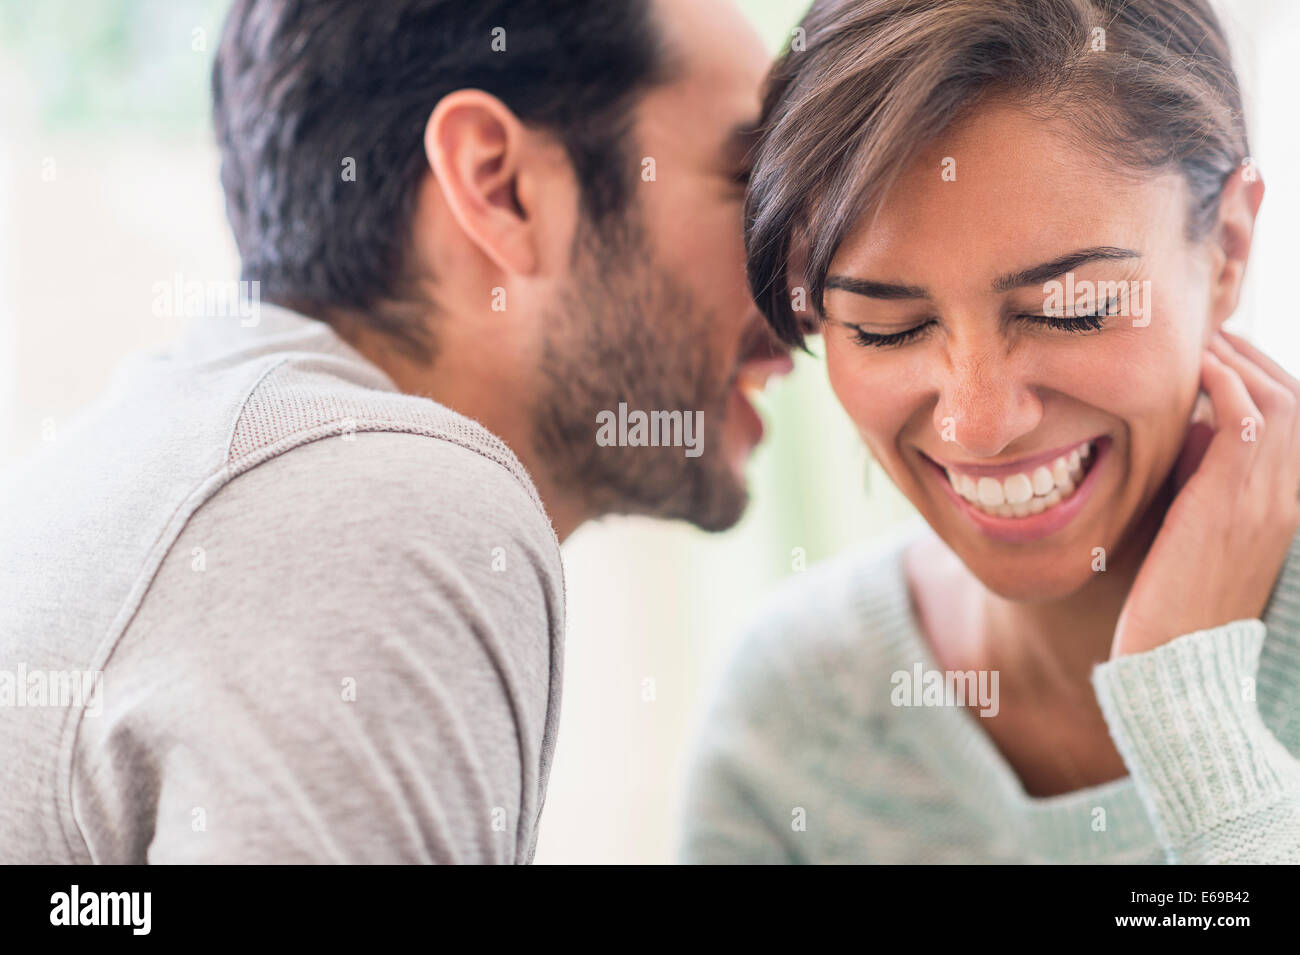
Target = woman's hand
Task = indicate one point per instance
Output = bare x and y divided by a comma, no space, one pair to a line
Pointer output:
1223,542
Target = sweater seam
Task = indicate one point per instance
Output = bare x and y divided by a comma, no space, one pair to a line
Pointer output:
142,584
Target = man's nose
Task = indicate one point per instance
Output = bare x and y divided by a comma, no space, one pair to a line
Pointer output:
985,402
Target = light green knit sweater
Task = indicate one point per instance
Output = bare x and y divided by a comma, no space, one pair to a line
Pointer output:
803,758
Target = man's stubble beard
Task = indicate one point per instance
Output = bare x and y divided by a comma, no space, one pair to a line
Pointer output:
626,331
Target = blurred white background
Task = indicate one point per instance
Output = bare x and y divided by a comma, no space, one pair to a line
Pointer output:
108,184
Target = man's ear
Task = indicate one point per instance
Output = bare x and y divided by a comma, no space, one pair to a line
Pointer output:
475,146
1238,207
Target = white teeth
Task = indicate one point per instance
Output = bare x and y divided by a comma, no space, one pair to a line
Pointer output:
1021,495
1019,489
990,492
752,382
1060,472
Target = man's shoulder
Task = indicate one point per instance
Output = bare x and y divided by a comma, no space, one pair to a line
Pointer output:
380,487
330,478
356,543
377,599
307,397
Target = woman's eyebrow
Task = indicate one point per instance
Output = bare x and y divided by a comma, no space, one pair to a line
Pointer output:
1036,275
884,290
1041,274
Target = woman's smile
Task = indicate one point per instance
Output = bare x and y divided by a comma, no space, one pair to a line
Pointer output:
1026,499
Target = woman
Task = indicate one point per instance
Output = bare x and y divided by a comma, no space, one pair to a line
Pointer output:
1020,226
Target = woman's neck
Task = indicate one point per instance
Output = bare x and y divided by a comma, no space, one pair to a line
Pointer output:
1045,651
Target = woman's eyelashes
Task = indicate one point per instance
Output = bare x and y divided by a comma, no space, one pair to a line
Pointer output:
1091,322
872,340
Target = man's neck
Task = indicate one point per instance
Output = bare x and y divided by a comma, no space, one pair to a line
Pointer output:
477,392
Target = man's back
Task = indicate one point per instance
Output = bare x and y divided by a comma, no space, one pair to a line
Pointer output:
260,606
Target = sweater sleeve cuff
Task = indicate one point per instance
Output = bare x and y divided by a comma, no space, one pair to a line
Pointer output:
1185,720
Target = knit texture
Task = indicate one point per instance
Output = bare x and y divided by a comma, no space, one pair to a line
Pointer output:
299,401
803,758
247,524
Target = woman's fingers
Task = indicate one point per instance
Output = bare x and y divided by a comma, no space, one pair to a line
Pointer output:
1272,368
1278,401
1227,531
1270,395
1217,554
1230,453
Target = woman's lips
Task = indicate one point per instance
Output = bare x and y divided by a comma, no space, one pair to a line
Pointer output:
1036,497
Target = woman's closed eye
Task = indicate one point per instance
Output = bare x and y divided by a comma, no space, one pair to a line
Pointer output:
892,340
1091,322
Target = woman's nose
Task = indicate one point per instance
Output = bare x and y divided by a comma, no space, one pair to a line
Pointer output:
985,403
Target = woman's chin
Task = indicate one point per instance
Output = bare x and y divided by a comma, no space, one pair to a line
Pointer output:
1026,582
1037,572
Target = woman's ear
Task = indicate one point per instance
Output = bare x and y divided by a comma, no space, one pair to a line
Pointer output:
476,148
1238,207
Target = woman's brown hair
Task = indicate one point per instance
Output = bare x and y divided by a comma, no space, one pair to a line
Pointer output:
866,84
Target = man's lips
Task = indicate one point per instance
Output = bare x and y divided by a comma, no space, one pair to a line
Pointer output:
750,379
760,357
753,375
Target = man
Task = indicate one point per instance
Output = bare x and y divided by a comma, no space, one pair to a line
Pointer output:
309,570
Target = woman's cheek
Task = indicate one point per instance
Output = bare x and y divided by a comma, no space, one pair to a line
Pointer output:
1148,374
868,387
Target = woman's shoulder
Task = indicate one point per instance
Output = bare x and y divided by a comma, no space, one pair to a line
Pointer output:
822,636
1279,663
835,597
1283,611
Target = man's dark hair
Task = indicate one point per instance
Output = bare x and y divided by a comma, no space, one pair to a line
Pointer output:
301,86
